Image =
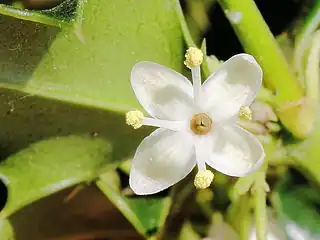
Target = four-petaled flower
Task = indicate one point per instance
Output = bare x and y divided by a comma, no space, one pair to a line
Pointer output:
197,124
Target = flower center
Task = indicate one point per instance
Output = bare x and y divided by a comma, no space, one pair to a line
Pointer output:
201,124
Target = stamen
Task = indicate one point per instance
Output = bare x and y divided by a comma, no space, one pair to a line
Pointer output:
203,179
245,113
194,57
134,118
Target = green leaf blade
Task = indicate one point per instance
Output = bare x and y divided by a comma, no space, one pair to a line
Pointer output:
49,166
90,63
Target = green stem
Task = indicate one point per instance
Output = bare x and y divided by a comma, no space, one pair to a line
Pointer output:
185,30
303,39
258,40
260,207
239,216
204,65
182,197
304,155
245,222
312,69
310,168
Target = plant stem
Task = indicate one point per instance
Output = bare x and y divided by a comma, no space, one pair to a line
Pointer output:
261,211
204,66
185,30
312,69
183,197
245,222
304,155
258,40
260,207
239,216
303,39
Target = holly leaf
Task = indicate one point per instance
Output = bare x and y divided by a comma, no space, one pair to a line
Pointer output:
49,166
87,65
90,63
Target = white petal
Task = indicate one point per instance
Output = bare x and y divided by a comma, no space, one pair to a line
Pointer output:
233,85
162,159
235,151
164,93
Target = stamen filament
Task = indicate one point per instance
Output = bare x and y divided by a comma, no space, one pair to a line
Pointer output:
196,80
201,164
202,150
171,125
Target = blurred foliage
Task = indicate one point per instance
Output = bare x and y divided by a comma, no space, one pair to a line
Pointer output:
298,203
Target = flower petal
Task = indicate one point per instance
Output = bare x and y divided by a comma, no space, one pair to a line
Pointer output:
162,159
164,93
233,85
235,151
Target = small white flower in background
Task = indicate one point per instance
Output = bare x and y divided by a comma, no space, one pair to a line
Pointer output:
197,124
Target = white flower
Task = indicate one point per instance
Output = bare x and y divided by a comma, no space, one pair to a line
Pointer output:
197,124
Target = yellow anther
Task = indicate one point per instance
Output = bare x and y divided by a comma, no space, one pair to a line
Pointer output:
203,179
245,113
194,57
134,118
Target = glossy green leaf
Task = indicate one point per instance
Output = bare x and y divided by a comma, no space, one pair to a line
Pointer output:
298,204
90,63
51,165
147,214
